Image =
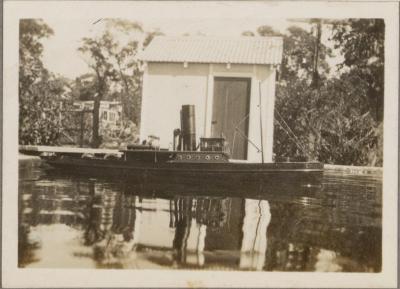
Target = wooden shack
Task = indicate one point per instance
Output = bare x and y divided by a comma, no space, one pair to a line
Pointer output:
225,78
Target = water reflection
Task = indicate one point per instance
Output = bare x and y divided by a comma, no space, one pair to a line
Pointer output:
88,223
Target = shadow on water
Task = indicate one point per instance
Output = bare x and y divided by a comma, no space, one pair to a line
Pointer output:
80,222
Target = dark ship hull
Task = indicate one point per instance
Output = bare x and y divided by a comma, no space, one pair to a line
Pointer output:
187,168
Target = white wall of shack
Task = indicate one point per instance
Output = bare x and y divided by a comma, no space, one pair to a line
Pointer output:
168,86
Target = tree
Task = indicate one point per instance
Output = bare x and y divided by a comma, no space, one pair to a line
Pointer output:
298,129
129,82
98,51
265,30
351,135
150,36
117,72
361,42
40,91
248,33
83,87
31,32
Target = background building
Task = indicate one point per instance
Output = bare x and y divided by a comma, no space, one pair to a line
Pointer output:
110,112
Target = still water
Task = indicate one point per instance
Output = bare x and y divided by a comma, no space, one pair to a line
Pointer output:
73,222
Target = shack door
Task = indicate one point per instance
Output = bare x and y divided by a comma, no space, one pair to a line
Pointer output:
230,117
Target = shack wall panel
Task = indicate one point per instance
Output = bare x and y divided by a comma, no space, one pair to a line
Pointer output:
171,85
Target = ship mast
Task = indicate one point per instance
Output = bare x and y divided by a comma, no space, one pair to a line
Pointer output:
261,129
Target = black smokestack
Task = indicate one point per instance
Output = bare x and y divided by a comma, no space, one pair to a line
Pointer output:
188,127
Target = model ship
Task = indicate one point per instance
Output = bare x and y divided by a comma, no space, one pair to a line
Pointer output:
209,160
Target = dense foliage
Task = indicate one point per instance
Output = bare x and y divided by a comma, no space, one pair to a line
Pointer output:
40,92
361,42
338,120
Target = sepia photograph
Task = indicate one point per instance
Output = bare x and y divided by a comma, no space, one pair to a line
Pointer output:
208,138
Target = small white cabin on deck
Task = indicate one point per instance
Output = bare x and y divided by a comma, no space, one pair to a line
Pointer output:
225,78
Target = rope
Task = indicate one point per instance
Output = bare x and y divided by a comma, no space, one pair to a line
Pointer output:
287,130
244,136
293,139
288,127
236,127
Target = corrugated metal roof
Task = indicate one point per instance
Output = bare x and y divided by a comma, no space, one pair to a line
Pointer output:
242,50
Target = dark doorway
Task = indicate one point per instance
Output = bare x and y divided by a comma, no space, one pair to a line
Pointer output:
230,117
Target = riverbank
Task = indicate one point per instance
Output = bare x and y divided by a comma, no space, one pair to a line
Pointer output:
354,169
23,157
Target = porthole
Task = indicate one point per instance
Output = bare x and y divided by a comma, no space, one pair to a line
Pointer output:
208,157
188,157
216,157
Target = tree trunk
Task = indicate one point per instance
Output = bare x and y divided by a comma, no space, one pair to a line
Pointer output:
96,120
126,86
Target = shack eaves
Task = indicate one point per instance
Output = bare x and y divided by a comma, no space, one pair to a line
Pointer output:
205,49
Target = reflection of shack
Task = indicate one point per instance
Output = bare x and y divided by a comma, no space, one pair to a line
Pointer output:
222,231
212,212
254,242
196,218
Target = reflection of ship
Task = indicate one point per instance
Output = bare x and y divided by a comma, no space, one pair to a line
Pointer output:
126,226
281,186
